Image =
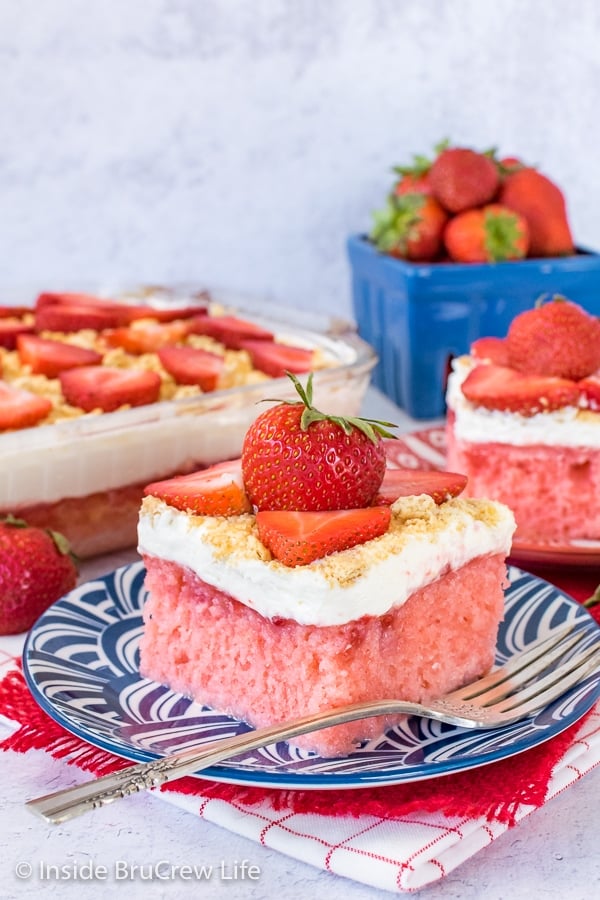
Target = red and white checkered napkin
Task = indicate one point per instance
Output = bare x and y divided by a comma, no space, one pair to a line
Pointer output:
403,854
392,838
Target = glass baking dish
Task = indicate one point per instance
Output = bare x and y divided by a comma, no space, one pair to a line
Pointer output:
85,476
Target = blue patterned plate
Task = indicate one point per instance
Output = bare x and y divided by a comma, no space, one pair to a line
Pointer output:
81,664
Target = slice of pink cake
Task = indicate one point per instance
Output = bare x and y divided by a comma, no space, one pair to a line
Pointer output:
306,577
524,422
549,488
412,613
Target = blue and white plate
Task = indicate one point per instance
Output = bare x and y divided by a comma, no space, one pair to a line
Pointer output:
81,664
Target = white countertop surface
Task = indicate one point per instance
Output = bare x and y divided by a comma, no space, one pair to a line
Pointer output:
551,854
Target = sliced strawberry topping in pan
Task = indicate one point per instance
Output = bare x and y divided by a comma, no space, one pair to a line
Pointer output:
191,365
108,388
75,298
47,357
164,314
229,330
10,329
146,337
120,313
21,409
14,312
276,359
76,317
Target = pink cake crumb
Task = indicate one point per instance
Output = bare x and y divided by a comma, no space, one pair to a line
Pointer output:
549,489
206,645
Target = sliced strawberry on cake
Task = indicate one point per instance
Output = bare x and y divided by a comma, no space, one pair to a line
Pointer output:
215,491
20,408
297,538
192,365
108,388
490,349
590,392
440,486
47,357
503,388
525,426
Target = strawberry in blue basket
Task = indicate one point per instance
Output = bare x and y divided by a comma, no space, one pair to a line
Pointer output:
492,233
410,226
462,178
542,203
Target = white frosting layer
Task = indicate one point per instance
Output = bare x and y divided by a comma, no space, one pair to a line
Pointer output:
423,542
93,453
567,427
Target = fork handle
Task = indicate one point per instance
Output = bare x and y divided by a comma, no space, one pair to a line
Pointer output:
64,805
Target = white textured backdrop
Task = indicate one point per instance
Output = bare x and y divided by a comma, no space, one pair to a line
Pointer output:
238,142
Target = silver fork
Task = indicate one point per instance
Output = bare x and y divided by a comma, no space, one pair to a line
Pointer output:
529,681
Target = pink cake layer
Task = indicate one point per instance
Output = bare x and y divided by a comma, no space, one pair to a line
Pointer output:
549,489
206,645
98,523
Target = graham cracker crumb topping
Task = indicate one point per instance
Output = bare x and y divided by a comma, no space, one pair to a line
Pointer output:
238,370
236,540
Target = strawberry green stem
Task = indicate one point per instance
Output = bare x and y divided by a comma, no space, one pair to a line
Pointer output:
392,225
372,428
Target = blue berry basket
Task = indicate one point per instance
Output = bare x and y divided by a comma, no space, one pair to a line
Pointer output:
418,316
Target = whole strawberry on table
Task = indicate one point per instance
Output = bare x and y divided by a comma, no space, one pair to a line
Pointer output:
466,206
36,569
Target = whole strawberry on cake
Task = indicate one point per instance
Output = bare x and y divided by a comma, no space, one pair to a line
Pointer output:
524,421
307,575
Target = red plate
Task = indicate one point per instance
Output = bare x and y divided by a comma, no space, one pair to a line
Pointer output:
427,450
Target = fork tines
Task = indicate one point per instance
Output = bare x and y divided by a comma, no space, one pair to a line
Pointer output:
537,658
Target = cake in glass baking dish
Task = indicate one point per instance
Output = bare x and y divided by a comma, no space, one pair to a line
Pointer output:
306,575
99,396
524,422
